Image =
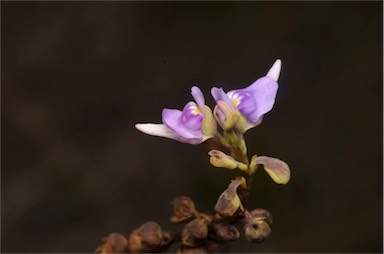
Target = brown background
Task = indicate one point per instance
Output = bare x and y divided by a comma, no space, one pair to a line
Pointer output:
77,76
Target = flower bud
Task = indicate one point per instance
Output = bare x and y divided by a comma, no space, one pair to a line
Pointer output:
241,125
231,138
209,125
243,145
226,115
114,243
194,233
221,160
183,208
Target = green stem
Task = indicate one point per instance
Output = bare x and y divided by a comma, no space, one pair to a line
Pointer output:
248,179
239,156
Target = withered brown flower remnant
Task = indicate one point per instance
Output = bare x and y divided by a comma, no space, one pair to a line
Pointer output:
114,243
183,208
194,233
226,232
229,202
148,238
257,225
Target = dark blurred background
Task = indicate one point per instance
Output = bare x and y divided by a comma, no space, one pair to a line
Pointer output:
77,76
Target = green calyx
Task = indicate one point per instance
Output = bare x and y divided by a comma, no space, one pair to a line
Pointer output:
209,125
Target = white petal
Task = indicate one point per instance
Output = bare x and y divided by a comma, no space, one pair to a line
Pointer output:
274,72
159,130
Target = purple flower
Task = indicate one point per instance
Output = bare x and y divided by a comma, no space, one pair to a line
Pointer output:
184,126
255,100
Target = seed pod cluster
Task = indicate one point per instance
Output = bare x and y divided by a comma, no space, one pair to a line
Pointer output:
200,233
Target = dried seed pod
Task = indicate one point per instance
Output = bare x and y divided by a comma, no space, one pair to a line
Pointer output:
194,233
199,250
261,214
210,246
229,202
135,244
151,233
183,208
257,230
114,243
147,238
226,232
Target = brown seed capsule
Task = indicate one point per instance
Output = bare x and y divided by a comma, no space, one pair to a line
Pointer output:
199,250
183,208
194,233
260,214
257,230
135,244
114,243
226,232
148,237
150,233
210,246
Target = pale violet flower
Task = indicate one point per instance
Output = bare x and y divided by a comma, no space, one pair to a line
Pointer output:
184,126
255,100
